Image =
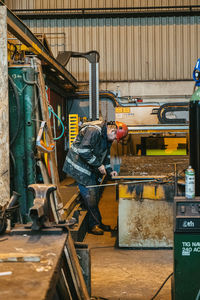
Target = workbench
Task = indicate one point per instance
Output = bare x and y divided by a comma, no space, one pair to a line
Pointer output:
32,280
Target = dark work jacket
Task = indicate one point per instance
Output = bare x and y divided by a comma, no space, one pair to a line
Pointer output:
88,152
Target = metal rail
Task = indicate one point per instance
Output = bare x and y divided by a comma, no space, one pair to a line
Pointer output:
24,34
117,183
190,7
159,127
109,12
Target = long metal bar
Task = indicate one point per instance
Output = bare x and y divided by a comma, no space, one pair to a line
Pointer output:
117,183
107,12
24,34
97,90
159,127
100,15
190,7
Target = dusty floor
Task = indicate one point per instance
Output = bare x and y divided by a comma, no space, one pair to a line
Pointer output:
121,274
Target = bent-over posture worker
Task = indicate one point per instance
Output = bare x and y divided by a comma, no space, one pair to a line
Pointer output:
88,160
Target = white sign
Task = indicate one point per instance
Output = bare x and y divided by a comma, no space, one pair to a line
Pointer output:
189,247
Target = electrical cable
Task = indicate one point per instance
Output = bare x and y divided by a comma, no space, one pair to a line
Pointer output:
162,285
63,128
172,107
50,108
18,109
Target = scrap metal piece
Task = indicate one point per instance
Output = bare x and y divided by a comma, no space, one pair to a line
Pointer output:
6,211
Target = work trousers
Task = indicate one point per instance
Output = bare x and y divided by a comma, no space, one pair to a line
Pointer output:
91,197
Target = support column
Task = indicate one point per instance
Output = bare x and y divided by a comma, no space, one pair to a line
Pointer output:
4,120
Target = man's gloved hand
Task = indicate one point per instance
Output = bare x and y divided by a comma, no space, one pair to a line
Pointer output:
113,173
102,170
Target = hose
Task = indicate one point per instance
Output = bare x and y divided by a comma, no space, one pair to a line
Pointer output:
171,107
103,94
63,128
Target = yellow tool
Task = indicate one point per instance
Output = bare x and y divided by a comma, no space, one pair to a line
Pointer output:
40,143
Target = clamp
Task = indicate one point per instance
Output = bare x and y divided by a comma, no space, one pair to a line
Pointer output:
40,212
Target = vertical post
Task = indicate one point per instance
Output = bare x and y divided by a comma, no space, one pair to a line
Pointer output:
93,58
90,91
94,90
4,120
97,91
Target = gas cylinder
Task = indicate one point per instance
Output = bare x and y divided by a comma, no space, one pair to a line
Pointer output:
194,129
190,183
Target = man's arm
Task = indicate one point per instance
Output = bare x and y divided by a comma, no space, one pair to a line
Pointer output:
107,165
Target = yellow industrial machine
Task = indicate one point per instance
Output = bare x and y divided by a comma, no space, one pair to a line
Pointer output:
146,209
157,128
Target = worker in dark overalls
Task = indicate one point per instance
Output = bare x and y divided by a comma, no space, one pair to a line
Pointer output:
88,160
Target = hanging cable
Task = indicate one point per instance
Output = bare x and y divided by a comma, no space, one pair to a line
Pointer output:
63,128
51,111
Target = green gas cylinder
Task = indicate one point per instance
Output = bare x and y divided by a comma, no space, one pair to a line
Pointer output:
22,91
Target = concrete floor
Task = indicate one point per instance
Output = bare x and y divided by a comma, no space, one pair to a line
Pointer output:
68,188
121,274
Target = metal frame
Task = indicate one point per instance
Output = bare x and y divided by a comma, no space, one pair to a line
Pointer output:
158,129
24,34
93,59
109,12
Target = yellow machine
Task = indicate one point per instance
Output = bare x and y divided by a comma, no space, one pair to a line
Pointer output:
157,129
146,210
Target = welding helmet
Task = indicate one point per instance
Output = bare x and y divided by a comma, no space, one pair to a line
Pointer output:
122,130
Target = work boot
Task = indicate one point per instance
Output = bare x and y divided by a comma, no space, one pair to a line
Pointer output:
105,227
96,230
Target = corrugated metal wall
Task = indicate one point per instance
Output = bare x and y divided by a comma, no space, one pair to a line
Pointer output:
164,48
131,49
42,4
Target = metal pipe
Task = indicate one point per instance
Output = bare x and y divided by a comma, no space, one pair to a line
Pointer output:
90,91
135,12
97,91
29,137
102,94
126,182
84,10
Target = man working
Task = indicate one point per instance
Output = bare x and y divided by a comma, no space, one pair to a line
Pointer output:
88,160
